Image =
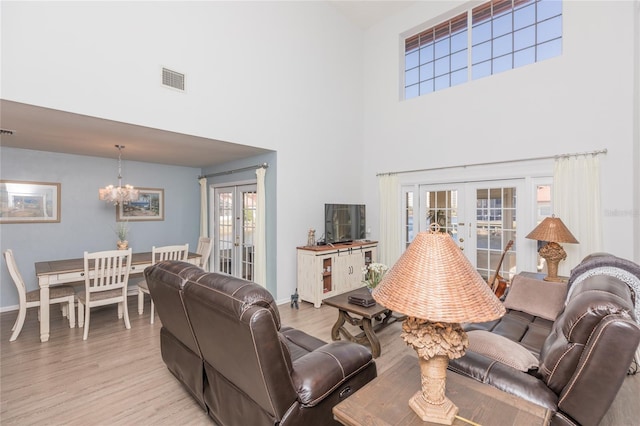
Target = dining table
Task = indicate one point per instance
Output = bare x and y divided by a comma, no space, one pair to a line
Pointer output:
66,271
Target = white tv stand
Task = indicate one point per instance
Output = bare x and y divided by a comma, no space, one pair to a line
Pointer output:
325,271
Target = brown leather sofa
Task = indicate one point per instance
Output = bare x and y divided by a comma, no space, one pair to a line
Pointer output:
222,338
582,357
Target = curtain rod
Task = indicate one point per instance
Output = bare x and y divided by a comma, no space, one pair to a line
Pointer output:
243,169
548,157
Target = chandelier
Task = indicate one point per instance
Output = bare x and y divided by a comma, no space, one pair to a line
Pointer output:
119,194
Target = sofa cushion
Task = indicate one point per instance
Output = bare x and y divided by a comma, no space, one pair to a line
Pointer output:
527,330
543,299
298,342
501,349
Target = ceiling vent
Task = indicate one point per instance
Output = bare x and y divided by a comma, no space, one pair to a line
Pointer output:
172,79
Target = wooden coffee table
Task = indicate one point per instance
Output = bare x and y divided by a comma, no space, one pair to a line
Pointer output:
385,401
370,320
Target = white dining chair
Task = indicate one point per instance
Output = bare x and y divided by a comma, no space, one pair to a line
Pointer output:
31,299
106,276
204,250
158,254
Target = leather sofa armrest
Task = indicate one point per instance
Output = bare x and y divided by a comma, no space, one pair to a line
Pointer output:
318,373
301,339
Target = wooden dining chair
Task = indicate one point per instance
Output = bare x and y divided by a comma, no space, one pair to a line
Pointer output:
106,276
204,250
158,254
31,299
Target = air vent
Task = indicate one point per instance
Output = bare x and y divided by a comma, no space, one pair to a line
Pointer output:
172,79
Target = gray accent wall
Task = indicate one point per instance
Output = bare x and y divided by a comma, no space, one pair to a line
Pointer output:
86,222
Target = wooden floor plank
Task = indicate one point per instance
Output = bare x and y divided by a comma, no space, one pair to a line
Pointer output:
117,376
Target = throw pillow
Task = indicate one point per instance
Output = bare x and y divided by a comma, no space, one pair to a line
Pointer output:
544,299
501,349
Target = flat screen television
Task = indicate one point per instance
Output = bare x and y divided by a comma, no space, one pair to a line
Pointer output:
344,223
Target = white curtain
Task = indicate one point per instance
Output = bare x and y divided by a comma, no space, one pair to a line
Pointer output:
389,246
260,255
204,219
576,200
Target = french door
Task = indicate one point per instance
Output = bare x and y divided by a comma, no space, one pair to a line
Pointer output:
481,217
493,225
234,224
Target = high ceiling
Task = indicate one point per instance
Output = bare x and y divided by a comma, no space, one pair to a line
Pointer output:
365,13
45,129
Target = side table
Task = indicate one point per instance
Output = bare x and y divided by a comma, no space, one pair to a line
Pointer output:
385,401
361,317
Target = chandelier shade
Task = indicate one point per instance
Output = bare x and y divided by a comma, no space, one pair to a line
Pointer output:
118,194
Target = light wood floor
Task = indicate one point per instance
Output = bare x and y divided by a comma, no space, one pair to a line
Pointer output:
117,376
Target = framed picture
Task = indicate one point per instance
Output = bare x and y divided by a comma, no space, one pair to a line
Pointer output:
148,206
29,202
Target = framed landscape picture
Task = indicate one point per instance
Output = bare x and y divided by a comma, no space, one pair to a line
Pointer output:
148,206
29,202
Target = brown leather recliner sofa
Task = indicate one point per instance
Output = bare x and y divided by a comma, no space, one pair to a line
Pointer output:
581,358
222,338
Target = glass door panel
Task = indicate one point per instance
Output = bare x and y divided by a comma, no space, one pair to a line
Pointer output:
495,227
408,214
248,228
440,208
224,237
481,217
235,209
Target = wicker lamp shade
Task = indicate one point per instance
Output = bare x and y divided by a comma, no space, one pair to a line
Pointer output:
433,280
552,229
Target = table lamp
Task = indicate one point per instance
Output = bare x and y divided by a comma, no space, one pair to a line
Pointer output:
552,230
435,285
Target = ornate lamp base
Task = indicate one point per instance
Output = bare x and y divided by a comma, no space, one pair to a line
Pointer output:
430,403
435,344
442,414
552,253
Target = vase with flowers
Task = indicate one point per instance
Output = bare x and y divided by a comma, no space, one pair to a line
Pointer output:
373,274
122,230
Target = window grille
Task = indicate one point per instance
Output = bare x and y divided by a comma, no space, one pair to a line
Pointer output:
436,58
504,34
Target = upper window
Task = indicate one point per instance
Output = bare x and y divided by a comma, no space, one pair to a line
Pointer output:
436,58
496,36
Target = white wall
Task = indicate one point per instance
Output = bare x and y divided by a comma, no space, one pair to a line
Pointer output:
280,75
580,101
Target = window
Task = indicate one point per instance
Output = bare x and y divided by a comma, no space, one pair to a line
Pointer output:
504,34
507,34
543,210
436,58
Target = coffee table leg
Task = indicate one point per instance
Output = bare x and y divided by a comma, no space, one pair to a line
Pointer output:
335,331
371,337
